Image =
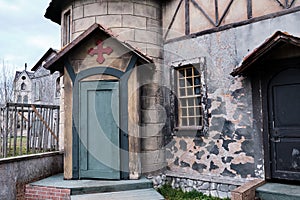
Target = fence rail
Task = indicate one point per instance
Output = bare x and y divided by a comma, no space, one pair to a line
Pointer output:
28,128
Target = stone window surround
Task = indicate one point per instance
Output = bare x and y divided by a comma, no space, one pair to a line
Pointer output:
201,62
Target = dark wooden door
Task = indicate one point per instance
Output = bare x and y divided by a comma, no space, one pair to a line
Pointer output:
99,153
284,124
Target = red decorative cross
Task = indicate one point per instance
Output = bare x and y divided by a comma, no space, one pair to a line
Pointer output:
100,51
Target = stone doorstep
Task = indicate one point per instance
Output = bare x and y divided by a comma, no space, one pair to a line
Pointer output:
246,191
278,191
145,194
78,187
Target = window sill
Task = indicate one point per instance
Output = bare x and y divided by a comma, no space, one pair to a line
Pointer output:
190,131
188,128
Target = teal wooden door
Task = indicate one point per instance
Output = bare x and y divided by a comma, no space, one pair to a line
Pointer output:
99,152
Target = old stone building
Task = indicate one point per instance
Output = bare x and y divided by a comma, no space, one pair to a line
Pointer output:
204,92
38,86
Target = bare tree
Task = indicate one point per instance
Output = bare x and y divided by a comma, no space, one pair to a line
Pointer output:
6,83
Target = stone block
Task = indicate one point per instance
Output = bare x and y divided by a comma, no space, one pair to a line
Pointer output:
153,116
146,36
223,195
152,143
145,10
204,186
110,21
154,25
213,186
123,34
190,183
214,193
120,7
83,23
95,9
153,157
223,188
77,12
151,130
134,22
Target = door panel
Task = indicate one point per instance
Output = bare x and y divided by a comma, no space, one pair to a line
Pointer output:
99,130
284,130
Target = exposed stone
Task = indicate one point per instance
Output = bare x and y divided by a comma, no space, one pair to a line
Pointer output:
247,147
232,187
244,169
228,129
223,188
199,167
176,161
214,193
213,186
226,172
213,166
183,145
227,159
205,186
222,195
199,142
199,183
214,150
199,154
184,164
190,183
226,143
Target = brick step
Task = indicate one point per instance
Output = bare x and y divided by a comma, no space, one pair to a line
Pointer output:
56,186
271,191
144,194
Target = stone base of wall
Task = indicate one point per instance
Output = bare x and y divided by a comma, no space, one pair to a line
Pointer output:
213,187
43,193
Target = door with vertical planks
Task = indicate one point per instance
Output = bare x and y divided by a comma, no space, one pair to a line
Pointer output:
99,152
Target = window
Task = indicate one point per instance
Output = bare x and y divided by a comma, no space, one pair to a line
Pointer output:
19,99
36,91
190,113
57,88
25,99
67,28
23,86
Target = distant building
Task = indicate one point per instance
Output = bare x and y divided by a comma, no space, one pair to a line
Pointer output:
38,87
23,86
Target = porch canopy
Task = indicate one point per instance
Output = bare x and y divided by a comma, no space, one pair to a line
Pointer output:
279,46
57,63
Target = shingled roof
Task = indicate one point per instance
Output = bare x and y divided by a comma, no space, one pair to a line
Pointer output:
276,40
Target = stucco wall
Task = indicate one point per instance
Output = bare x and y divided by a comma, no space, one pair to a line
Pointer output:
233,146
15,173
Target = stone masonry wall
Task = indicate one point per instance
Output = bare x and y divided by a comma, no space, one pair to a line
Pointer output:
232,147
137,22
15,173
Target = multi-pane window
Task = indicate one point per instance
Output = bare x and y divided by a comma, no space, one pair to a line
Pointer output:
67,28
189,94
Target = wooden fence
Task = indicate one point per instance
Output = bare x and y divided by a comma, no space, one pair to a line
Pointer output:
28,129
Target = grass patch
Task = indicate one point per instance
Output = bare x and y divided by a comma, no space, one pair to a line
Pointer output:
177,194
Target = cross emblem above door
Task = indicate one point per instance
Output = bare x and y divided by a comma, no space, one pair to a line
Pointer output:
100,51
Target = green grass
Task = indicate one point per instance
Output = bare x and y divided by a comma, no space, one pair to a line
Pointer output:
176,194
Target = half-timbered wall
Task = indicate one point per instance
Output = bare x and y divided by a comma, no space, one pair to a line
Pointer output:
197,17
232,147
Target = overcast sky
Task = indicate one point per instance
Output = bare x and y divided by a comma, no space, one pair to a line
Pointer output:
25,34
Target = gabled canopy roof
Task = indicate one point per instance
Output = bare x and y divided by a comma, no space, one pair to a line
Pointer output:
276,40
57,62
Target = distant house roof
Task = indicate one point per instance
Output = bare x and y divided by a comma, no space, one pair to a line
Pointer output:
276,40
53,11
43,58
56,63
19,73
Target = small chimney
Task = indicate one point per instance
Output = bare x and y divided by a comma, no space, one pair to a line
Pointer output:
25,66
